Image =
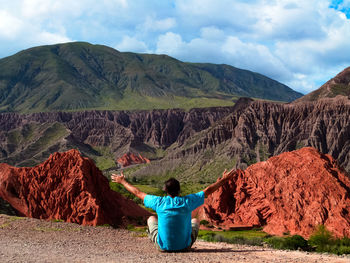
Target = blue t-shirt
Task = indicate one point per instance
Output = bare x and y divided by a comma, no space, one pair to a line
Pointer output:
174,218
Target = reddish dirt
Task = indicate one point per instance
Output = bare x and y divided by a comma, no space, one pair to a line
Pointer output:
130,159
290,193
66,187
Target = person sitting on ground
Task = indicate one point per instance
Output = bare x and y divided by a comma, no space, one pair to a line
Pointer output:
173,229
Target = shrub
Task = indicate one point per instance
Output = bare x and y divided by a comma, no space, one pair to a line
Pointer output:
204,222
275,242
295,242
322,239
291,242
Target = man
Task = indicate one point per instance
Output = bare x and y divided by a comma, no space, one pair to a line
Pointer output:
173,230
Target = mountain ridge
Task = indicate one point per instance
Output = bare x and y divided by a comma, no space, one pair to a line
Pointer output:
81,76
337,86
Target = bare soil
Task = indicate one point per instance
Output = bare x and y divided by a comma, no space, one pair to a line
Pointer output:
33,240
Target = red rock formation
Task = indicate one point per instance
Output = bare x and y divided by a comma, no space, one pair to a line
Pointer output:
292,192
130,158
67,187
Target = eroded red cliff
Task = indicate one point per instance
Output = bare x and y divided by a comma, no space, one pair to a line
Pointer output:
290,193
66,187
130,159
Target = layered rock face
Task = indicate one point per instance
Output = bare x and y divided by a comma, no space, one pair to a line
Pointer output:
35,136
66,187
290,193
130,159
265,129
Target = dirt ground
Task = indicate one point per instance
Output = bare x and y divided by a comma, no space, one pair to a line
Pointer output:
33,240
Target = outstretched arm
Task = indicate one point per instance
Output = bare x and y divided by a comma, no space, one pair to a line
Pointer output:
120,179
215,186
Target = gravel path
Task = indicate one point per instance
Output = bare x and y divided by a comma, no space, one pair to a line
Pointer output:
33,240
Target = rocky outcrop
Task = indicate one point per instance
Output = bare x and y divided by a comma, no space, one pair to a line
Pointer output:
266,129
67,187
130,159
337,86
290,193
24,137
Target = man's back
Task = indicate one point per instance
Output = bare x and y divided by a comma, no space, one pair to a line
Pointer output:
174,218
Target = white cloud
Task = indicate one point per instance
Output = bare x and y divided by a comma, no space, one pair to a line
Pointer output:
132,44
10,25
152,24
50,38
255,57
170,43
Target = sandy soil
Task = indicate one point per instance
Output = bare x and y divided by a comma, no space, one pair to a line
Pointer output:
32,240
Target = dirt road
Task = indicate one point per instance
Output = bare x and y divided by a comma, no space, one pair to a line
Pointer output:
32,240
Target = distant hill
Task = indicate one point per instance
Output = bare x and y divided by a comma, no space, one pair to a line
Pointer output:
339,85
81,76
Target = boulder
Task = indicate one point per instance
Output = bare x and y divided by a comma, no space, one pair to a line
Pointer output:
66,187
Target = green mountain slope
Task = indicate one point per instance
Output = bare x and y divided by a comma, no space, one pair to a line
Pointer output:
80,76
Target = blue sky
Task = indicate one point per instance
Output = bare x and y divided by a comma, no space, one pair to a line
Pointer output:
299,43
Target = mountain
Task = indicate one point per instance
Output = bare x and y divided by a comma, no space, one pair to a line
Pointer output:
280,196
339,85
79,76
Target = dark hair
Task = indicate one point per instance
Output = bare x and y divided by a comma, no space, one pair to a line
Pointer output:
172,187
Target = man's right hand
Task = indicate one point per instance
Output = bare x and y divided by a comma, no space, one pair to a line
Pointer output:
118,178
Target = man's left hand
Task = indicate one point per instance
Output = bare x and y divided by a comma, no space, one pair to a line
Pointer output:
228,175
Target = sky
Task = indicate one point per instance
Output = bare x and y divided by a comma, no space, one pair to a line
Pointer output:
301,43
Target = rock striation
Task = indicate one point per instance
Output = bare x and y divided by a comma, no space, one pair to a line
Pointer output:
67,187
130,159
29,139
265,129
290,193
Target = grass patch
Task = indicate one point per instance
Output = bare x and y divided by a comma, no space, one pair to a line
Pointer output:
4,225
105,158
47,229
320,241
247,237
138,231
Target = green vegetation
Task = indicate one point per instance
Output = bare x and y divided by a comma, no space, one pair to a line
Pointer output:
104,158
249,237
321,240
340,89
80,76
48,229
289,242
33,141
